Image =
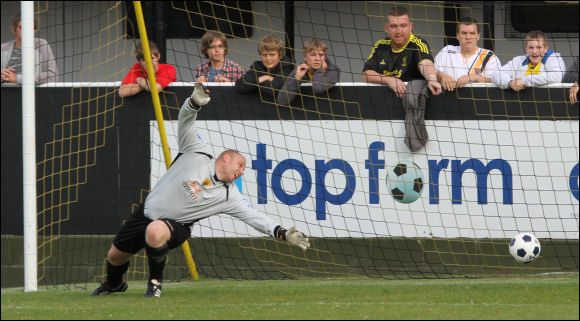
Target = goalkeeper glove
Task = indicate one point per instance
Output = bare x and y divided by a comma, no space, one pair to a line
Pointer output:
200,95
297,238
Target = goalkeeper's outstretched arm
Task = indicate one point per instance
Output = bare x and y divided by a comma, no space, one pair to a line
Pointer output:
188,138
241,209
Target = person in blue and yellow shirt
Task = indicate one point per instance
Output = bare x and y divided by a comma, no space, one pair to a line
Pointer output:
539,66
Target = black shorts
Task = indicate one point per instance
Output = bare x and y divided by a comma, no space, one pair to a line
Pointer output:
131,237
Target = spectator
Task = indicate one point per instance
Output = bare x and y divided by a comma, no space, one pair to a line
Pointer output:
459,65
571,75
136,80
316,68
44,63
214,46
539,66
399,58
267,74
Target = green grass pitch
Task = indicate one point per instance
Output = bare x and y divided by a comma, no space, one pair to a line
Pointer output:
521,297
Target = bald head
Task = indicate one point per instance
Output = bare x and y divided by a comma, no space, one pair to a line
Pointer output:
230,165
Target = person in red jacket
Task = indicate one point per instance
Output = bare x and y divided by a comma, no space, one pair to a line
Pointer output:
136,80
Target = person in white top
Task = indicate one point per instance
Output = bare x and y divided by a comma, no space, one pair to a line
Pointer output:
195,186
539,66
45,69
459,65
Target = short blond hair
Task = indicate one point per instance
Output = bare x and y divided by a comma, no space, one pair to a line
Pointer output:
269,43
313,44
467,21
536,35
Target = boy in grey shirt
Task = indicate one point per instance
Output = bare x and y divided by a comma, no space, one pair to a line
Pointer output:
195,187
317,69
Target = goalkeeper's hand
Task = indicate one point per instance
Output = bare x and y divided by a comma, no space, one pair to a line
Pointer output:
200,95
297,238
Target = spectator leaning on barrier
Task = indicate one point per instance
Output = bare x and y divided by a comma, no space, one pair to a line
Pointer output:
136,80
459,65
399,58
266,74
44,63
571,75
539,66
316,68
214,46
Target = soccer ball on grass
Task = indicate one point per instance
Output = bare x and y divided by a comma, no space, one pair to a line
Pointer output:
525,247
405,181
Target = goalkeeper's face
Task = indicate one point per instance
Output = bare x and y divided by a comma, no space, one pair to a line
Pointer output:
231,167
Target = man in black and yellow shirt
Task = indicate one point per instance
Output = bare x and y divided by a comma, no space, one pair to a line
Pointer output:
404,57
400,58
402,64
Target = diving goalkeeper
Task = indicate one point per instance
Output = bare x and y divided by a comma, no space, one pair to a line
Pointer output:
196,186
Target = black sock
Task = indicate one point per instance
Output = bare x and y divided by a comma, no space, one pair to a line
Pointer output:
157,257
115,274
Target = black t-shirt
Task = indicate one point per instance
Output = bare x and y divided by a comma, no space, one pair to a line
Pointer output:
402,64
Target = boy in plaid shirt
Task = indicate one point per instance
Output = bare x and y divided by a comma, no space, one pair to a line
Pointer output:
214,46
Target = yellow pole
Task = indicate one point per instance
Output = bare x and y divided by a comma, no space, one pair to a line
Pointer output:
159,117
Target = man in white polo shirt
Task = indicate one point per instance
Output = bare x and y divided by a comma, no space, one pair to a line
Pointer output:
467,63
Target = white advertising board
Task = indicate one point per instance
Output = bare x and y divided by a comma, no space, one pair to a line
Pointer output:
534,191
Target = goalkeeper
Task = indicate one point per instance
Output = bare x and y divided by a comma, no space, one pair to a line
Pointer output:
195,187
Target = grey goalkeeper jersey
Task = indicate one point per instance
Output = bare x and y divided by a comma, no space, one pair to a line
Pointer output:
188,191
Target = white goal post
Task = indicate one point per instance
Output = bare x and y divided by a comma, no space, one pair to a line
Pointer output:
29,147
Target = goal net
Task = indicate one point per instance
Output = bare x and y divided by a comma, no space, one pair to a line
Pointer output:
335,165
